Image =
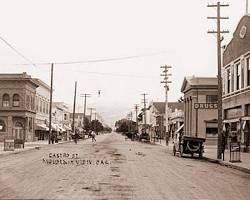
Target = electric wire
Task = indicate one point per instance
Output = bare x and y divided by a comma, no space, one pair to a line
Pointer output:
113,59
16,51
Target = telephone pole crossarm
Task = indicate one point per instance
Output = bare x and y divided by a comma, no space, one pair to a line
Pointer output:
166,81
85,105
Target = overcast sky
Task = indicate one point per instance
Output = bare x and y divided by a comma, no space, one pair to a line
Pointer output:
159,32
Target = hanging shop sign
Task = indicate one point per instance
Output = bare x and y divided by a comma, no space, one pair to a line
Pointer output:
206,106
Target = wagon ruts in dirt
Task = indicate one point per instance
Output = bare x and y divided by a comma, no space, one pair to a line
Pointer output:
189,145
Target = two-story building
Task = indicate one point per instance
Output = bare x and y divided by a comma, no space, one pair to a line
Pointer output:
42,110
17,106
156,118
61,119
236,85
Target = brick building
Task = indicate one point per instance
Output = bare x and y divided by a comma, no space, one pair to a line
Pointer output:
236,84
17,106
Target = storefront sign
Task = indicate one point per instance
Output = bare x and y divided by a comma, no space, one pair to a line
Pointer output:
233,113
9,145
206,106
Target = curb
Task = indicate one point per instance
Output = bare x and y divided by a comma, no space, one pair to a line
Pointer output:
18,152
229,165
32,148
29,149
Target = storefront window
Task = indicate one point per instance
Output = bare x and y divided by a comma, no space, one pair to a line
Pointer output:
2,126
211,131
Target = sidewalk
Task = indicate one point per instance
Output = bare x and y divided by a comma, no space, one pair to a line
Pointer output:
27,146
210,154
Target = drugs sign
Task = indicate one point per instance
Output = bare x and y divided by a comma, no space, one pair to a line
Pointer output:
206,106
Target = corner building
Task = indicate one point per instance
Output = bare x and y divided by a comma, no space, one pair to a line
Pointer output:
236,85
17,106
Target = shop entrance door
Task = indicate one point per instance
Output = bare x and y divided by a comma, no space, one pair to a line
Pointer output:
18,131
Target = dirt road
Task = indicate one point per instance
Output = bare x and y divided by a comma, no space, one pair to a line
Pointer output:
116,169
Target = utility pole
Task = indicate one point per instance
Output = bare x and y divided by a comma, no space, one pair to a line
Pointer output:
95,122
85,104
74,108
144,101
136,113
166,86
50,103
246,7
91,111
219,40
130,122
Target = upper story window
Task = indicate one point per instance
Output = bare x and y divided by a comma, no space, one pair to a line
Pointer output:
47,108
6,100
248,71
16,100
37,102
232,79
212,98
27,101
228,80
40,106
238,73
44,108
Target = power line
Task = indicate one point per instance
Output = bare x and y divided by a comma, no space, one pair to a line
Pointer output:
96,60
14,49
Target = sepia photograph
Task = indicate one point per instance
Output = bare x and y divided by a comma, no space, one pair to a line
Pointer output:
124,100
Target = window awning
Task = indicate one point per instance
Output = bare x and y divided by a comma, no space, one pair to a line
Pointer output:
211,125
41,127
231,120
247,118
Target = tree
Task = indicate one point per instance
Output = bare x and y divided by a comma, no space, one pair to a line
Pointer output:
86,124
97,126
125,125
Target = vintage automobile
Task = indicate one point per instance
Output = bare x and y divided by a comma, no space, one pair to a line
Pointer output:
144,136
188,145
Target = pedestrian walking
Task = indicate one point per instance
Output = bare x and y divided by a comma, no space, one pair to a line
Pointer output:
93,136
223,146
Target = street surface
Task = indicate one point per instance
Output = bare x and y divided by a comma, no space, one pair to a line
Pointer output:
125,170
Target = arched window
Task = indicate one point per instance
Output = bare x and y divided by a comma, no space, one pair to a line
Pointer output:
6,100
2,126
16,100
28,102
